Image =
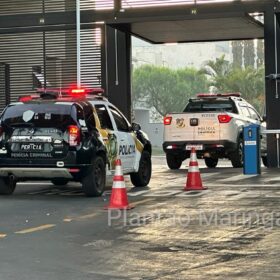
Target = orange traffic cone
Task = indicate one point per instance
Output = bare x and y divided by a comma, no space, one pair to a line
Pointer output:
119,199
194,182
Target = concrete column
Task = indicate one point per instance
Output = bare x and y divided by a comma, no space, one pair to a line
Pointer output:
117,60
272,91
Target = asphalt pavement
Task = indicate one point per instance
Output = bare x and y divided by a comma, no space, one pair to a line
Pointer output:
229,231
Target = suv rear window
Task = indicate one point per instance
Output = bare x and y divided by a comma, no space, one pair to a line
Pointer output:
40,115
210,106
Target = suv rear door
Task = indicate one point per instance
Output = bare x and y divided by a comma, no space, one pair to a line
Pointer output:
39,130
207,115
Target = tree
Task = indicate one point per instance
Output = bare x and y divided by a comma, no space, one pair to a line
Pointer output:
249,53
237,52
248,81
260,53
165,89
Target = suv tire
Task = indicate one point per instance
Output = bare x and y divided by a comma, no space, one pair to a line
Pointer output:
143,176
173,162
236,157
60,181
93,184
211,162
7,186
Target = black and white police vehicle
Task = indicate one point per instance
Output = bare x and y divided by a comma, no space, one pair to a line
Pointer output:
213,125
70,135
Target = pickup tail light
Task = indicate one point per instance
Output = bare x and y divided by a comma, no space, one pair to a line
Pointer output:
224,118
74,135
167,120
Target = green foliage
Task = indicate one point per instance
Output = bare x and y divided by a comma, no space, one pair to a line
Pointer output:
168,90
248,81
165,89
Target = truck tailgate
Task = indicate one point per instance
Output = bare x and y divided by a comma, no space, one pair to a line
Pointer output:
208,126
193,127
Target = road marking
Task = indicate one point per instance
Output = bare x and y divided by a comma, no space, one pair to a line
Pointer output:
142,201
207,175
3,235
273,179
137,193
34,183
40,228
40,192
251,185
73,193
87,216
237,178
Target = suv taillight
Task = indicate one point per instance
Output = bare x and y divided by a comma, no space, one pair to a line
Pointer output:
74,135
167,120
224,118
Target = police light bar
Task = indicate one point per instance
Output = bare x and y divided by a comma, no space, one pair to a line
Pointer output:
27,98
69,92
215,95
86,91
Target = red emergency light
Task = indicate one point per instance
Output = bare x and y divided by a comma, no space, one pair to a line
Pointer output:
85,91
215,95
27,98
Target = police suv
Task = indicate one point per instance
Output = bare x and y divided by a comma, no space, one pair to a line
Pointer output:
213,124
70,135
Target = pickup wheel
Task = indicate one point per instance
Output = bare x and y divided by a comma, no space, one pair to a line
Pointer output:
7,186
211,162
173,162
93,184
236,157
60,181
143,176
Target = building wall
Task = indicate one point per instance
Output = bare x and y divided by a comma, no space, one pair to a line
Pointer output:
154,130
180,55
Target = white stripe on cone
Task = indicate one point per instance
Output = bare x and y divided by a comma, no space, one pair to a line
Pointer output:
193,169
193,157
118,185
118,170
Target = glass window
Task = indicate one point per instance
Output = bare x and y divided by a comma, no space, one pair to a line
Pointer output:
103,116
121,123
40,115
254,114
210,106
245,112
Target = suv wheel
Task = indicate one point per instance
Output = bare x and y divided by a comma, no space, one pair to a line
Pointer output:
173,162
211,162
143,176
93,183
60,181
7,186
237,156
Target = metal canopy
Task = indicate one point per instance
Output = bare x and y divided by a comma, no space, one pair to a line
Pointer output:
199,30
194,23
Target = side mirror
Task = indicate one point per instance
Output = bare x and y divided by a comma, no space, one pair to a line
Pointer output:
136,126
264,118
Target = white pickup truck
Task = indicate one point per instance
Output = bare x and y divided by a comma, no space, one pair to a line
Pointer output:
213,124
